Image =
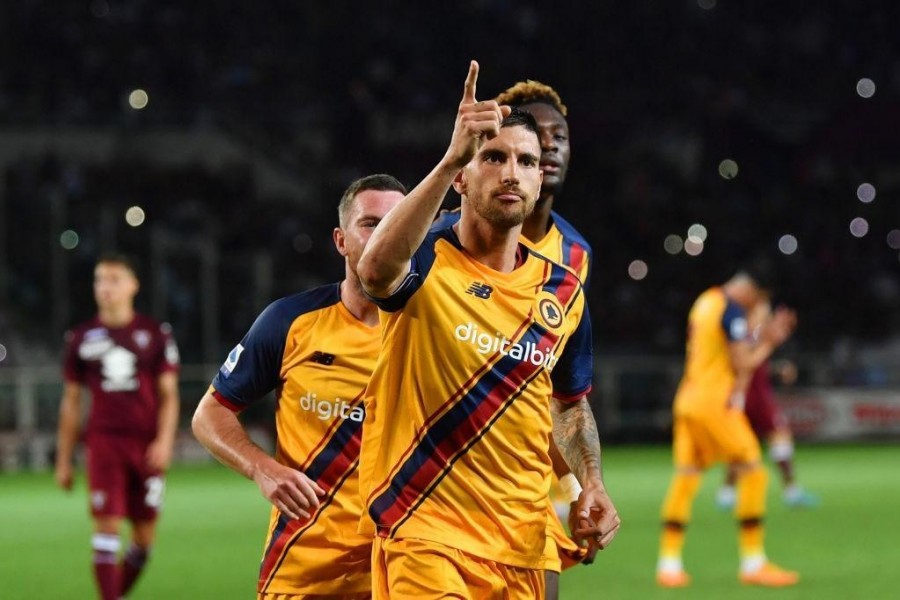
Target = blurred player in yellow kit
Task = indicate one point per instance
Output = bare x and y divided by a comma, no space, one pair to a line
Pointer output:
549,234
478,333
711,426
317,349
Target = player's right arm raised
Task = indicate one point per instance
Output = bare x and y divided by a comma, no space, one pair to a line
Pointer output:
385,261
220,432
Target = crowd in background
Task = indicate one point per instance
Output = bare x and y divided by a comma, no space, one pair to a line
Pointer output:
329,92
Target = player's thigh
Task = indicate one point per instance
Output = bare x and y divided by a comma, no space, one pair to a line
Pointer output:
143,532
412,568
763,415
146,486
691,445
107,475
734,438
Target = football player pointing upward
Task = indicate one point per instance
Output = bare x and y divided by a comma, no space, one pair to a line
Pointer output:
462,446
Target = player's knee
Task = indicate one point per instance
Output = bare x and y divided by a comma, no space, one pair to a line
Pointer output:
107,525
143,534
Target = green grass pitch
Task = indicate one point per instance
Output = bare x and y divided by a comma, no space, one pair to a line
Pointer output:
211,532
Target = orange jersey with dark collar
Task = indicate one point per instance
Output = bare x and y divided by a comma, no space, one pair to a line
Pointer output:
318,357
708,381
455,447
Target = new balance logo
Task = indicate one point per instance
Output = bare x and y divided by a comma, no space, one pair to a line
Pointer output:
480,290
323,358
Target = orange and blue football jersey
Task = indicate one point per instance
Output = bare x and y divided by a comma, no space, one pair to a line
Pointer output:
714,322
455,447
565,245
318,358
562,244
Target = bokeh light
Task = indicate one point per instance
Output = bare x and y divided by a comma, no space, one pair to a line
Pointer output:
2,352
637,270
697,232
138,99
728,169
673,244
135,216
893,239
303,243
787,244
693,247
100,8
865,87
706,4
865,192
68,239
859,227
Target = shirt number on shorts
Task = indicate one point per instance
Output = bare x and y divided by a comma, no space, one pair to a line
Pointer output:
155,487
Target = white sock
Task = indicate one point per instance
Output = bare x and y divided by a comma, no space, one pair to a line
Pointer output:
106,542
781,450
792,491
669,564
752,563
727,494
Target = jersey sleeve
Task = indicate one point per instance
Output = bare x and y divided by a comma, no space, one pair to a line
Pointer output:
253,367
420,265
586,269
734,322
573,375
73,367
447,219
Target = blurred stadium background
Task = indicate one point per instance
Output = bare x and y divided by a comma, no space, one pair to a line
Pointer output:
213,143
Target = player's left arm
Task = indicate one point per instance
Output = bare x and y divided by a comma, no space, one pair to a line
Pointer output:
576,436
159,453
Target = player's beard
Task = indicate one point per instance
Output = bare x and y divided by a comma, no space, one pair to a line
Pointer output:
493,212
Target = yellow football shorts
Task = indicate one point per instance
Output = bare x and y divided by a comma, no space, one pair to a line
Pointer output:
724,436
412,568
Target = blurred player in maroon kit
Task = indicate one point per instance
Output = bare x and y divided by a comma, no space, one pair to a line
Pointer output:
769,424
129,363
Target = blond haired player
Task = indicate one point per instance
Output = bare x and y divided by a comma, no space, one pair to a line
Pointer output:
317,349
478,333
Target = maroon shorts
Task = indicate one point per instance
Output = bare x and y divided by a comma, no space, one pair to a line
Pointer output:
764,414
121,484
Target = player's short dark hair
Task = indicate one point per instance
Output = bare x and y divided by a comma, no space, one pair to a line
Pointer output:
380,182
763,272
532,92
119,258
521,118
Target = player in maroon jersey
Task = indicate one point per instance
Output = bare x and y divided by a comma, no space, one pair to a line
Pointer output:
129,364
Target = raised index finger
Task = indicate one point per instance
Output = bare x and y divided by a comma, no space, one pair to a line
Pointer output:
471,79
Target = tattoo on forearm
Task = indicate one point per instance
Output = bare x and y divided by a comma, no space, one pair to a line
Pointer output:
575,432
